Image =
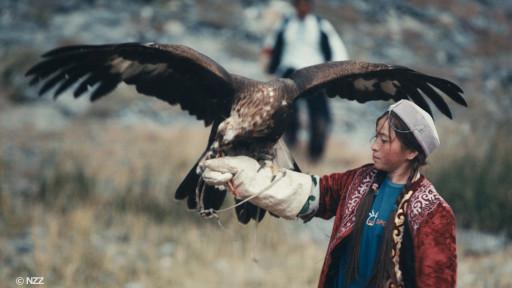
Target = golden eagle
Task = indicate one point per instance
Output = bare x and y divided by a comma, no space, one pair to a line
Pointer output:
247,116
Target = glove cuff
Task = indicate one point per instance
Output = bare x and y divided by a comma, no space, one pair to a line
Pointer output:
313,202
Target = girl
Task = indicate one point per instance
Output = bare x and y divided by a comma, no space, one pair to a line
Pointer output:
391,227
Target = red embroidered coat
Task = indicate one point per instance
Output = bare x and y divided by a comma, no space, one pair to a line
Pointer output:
430,221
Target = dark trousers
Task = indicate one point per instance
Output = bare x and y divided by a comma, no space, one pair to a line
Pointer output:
319,115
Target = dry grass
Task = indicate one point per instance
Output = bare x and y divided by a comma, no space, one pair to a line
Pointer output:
95,247
104,249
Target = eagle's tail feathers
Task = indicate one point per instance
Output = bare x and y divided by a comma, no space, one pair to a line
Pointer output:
188,185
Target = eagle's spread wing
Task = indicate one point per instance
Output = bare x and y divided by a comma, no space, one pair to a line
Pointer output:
363,82
173,73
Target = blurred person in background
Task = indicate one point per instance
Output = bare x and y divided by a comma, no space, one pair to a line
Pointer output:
391,227
302,40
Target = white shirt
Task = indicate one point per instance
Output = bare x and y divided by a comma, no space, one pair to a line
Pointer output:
302,43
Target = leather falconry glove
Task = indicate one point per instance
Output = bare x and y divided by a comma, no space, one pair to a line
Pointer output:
286,193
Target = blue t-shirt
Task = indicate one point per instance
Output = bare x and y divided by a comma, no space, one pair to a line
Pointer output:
383,205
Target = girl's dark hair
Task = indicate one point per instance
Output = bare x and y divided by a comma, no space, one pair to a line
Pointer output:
383,270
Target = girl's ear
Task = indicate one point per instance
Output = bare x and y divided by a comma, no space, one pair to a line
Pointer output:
411,154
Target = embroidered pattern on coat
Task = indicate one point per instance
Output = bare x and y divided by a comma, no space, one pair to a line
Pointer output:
422,202
398,236
355,194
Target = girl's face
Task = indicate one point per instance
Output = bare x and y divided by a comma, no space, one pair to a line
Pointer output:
388,153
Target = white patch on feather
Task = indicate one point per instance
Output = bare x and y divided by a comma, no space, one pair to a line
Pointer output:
365,85
119,65
389,86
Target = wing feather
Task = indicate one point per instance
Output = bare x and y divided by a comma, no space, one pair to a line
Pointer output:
362,82
173,73
433,95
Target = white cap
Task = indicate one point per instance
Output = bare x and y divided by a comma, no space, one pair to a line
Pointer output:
419,122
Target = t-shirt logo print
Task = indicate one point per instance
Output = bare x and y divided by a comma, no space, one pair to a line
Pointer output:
372,217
